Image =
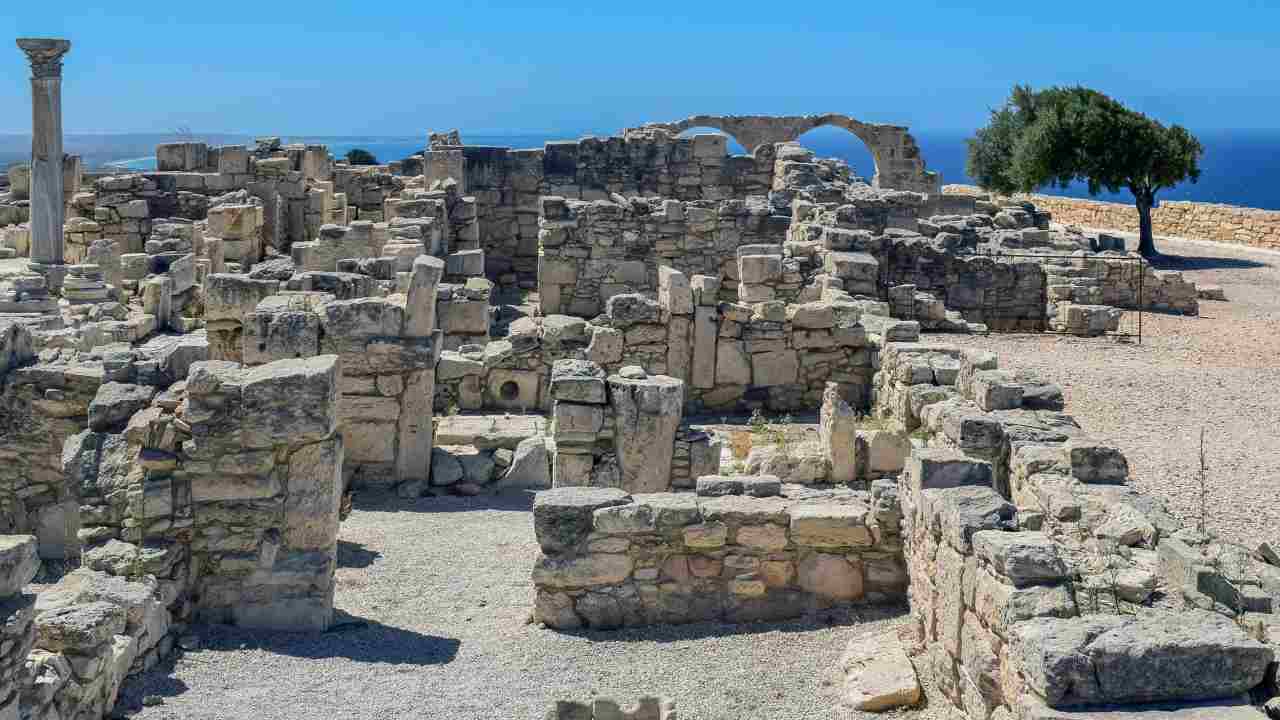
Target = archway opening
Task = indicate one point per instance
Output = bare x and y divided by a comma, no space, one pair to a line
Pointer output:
731,146
829,141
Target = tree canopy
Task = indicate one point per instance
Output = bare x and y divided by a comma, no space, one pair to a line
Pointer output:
1058,136
360,156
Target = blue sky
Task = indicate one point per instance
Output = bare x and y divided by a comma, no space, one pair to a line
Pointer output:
392,67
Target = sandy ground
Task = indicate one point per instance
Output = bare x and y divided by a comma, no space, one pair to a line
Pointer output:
435,597
1219,372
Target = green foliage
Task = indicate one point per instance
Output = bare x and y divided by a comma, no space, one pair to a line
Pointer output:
360,156
1057,136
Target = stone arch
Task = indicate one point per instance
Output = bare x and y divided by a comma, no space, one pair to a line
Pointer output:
899,164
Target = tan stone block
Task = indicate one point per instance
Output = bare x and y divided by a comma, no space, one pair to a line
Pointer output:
705,567
763,537
777,573
707,535
830,576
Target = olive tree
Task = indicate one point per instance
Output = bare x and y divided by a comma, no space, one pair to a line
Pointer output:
1057,136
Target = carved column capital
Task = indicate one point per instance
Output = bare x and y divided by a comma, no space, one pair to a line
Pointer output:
45,55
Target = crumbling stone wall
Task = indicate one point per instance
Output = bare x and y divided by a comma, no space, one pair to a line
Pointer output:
1039,578
735,552
594,250
230,483
389,347
731,356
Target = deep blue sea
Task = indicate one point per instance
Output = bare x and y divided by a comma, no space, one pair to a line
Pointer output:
1240,167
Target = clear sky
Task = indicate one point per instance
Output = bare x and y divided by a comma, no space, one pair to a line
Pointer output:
395,67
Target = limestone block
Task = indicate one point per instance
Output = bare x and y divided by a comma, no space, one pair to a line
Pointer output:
290,401
314,496
830,526
577,423
647,412
878,675
1154,657
79,628
837,436
778,367
577,381
420,306
571,469
467,263
115,403
936,468
563,517
464,317
996,390
1096,463
674,293
759,269
18,563
233,297
829,576
706,290
887,451
1025,558
530,466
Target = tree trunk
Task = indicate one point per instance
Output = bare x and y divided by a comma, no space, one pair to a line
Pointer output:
1146,238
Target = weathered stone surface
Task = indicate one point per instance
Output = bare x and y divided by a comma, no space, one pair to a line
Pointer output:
18,563
830,526
939,468
582,571
562,517
79,628
116,402
647,412
879,675
1154,657
1026,558
530,466
830,576
290,401
578,381
838,436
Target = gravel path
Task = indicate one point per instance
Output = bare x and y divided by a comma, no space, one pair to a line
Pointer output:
1219,372
443,585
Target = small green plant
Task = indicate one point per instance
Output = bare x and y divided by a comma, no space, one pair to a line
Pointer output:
758,422
452,409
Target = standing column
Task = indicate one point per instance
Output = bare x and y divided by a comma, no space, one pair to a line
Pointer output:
47,198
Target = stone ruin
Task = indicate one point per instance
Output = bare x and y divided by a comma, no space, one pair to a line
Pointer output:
201,366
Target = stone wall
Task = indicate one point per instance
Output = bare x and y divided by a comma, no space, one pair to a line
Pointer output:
731,356
228,488
1039,578
594,250
1173,218
506,185
736,552
389,347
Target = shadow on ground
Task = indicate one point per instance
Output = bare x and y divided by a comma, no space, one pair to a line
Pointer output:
509,500
355,555
832,617
155,685
351,637
1194,262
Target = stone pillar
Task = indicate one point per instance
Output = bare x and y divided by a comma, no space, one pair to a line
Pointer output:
646,414
47,196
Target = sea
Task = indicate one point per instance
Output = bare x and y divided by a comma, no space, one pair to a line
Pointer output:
1239,167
